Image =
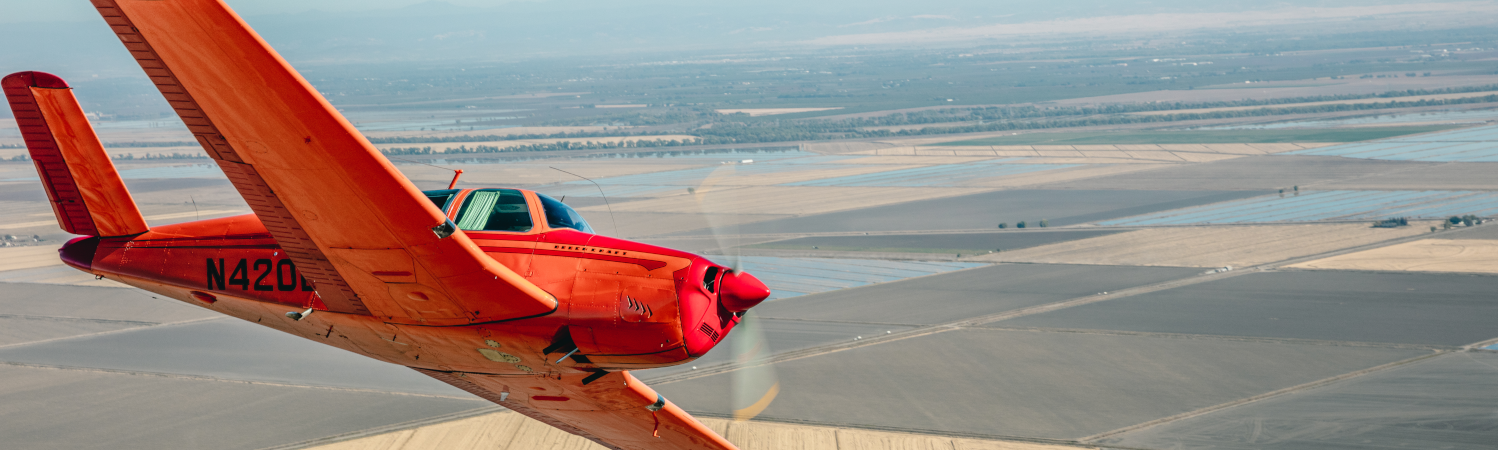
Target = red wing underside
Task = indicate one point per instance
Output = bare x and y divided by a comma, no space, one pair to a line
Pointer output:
610,411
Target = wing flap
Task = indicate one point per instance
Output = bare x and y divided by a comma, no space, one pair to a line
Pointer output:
613,411
313,179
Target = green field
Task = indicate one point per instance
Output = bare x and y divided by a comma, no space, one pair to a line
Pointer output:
1203,136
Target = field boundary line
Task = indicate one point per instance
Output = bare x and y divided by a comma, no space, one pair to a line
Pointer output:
1232,338
726,367
175,376
392,428
1265,396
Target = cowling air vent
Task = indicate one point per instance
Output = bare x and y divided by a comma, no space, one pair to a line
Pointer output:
709,331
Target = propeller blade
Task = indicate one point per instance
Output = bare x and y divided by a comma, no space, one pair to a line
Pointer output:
716,212
755,384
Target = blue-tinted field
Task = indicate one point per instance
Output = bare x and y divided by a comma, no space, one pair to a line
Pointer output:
1326,205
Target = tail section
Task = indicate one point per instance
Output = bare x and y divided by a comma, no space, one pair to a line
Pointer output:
85,189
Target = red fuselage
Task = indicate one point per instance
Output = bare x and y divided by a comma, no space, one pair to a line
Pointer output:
622,304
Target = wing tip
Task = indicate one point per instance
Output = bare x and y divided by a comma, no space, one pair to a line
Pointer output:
34,79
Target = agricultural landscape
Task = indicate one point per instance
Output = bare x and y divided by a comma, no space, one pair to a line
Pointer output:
1267,232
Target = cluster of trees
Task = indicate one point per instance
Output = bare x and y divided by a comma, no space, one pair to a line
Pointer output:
735,129
1468,220
564,145
512,137
667,117
1021,224
148,156
1392,222
762,132
134,144
406,151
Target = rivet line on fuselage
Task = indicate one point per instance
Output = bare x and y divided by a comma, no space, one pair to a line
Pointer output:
589,249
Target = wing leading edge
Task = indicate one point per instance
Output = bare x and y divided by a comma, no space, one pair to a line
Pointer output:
343,213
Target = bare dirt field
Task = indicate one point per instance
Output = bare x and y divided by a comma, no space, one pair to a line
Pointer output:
1294,88
1097,154
1338,102
511,131
632,225
922,160
797,200
756,112
802,173
1273,172
510,431
16,258
1151,23
1060,175
447,147
1429,255
1452,176
1215,246
524,174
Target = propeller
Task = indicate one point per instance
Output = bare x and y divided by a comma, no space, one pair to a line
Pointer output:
755,385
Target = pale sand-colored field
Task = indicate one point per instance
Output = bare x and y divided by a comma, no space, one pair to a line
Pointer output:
40,264
17,258
1289,88
1060,175
1360,101
921,160
525,174
511,431
1452,176
843,147
641,224
1212,246
806,173
1429,255
1159,23
445,147
493,131
1115,154
206,214
789,199
756,112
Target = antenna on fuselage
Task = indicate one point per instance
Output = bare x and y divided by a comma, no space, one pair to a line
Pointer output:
456,172
600,192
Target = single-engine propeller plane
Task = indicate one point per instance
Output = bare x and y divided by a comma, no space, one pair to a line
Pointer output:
504,293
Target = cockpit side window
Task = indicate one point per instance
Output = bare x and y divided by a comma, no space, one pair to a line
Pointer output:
559,215
442,198
495,210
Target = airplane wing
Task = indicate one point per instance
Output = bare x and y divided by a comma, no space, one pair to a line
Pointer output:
372,243
617,411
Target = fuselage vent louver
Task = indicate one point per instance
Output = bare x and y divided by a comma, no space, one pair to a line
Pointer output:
709,331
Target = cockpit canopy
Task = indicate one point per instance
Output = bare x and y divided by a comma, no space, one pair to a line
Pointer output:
505,210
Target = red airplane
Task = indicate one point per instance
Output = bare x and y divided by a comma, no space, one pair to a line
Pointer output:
504,293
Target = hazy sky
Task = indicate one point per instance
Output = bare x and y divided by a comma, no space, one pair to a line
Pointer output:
71,10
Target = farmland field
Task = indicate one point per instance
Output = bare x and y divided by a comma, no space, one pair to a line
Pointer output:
1204,136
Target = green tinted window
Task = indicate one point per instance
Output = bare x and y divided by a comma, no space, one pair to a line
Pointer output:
441,198
495,210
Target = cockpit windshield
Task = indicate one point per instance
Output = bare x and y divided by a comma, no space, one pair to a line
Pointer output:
442,198
559,215
495,210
